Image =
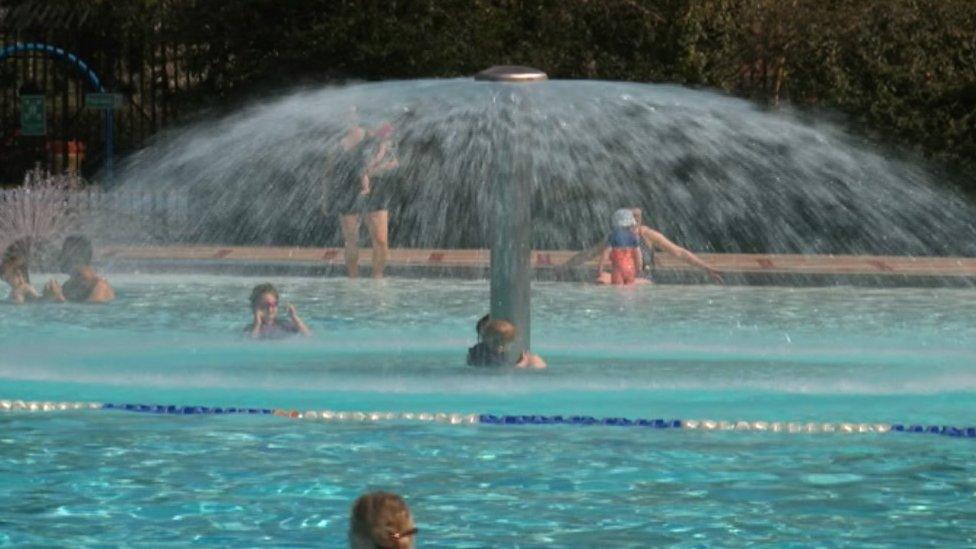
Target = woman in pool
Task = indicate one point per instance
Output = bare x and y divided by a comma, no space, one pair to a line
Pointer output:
622,250
266,324
650,240
381,519
13,271
492,349
653,240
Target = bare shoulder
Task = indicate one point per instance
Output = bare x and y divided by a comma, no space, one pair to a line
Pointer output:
101,292
535,361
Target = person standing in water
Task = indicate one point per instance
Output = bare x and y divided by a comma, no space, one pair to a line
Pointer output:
622,250
650,240
654,240
363,156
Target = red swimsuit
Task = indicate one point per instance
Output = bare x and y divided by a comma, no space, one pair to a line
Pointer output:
623,245
624,269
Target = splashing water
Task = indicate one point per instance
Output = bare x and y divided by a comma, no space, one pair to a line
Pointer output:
37,212
714,172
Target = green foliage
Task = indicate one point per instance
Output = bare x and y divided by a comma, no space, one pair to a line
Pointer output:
902,69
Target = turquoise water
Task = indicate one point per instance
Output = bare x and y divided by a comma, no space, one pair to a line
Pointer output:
833,354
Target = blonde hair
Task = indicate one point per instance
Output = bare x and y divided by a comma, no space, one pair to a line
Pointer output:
377,521
499,332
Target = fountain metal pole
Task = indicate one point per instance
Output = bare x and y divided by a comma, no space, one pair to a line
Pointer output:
511,240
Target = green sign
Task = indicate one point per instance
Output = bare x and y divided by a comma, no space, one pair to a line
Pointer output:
104,100
32,115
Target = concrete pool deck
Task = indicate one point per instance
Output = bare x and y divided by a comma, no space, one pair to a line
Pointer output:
740,269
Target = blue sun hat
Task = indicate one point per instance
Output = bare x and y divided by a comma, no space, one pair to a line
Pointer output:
624,218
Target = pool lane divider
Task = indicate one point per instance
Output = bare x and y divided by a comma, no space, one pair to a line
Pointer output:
792,427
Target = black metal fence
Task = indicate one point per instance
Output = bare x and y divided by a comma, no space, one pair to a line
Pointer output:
144,64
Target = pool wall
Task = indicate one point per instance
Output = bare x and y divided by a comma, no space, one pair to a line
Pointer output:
736,269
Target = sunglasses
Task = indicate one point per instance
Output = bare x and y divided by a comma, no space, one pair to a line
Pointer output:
269,305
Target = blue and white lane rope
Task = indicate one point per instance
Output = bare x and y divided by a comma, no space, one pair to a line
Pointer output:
490,419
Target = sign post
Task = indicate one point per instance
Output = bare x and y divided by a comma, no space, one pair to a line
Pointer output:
33,116
107,102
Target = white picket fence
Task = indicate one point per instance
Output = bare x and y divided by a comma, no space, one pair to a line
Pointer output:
169,208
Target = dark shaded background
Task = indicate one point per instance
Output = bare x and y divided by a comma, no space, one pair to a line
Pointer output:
901,72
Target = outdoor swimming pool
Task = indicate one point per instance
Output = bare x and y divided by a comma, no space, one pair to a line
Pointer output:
724,353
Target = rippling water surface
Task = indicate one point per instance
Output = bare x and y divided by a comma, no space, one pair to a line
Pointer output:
837,354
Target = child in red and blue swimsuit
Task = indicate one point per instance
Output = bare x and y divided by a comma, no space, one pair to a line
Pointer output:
623,249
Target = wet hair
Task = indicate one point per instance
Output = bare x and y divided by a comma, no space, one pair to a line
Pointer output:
498,333
14,259
14,266
480,326
377,520
76,250
260,290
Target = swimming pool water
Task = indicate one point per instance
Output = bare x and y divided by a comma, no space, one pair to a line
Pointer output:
828,354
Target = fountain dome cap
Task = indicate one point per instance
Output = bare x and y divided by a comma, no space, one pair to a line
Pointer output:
511,73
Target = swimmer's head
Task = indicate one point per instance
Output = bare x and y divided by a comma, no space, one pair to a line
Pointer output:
14,272
13,265
623,219
480,326
75,252
499,333
381,519
265,297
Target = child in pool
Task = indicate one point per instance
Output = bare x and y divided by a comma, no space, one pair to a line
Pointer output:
494,338
13,271
267,325
623,250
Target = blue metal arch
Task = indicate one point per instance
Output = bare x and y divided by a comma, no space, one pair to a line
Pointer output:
93,78
79,64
